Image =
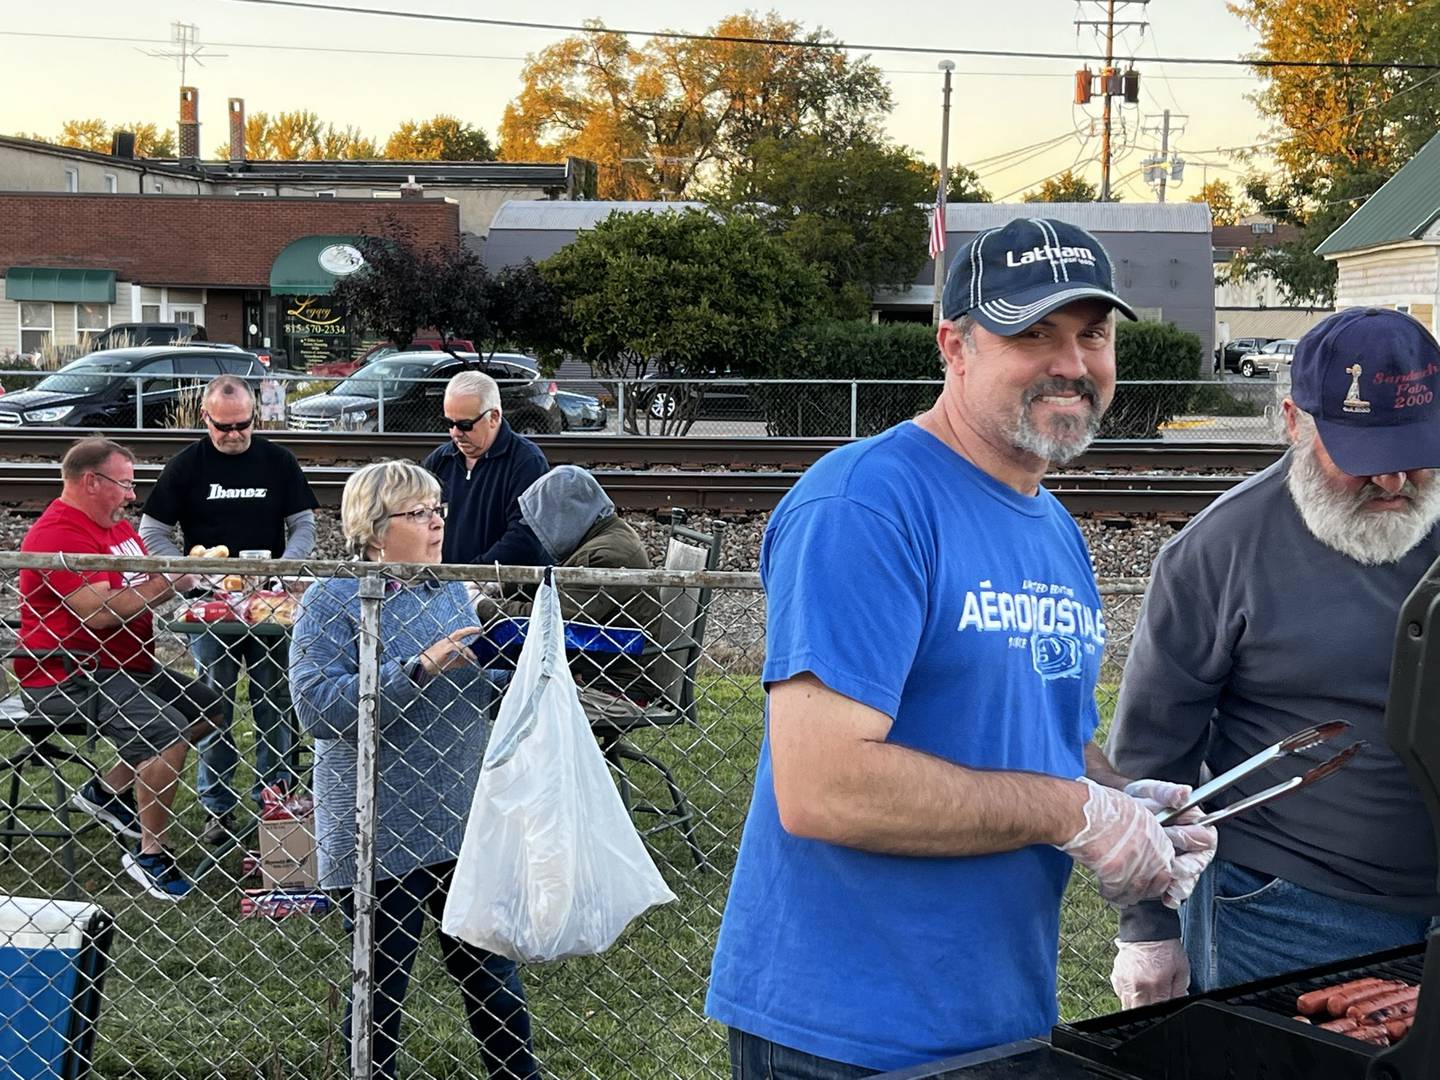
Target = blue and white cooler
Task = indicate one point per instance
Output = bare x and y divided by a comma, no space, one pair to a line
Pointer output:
53,955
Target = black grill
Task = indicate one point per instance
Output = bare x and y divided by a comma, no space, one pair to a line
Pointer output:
1240,1032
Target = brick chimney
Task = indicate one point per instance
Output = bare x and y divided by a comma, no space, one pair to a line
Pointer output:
236,108
411,190
189,123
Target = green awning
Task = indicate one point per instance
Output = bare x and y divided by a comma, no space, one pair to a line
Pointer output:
54,283
311,265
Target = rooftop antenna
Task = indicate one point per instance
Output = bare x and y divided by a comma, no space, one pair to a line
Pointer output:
185,46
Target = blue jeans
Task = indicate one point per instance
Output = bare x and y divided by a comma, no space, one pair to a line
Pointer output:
489,984
754,1058
276,750
1240,925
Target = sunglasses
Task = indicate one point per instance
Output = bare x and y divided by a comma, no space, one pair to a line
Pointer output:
467,425
238,425
422,515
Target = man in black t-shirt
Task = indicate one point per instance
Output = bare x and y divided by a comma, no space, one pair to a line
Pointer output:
245,492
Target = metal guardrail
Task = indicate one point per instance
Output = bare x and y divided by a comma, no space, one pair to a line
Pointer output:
1210,410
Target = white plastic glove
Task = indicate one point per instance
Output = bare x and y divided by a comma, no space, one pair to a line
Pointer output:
1149,971
1124,845
1194,844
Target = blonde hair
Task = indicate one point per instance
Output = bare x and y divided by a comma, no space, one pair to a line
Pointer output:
376,491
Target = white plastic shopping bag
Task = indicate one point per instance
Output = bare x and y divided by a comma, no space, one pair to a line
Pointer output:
551,864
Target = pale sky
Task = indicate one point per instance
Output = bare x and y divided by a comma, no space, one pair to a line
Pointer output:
383,70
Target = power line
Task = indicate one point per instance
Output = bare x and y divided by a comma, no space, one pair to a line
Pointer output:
828,46
112,40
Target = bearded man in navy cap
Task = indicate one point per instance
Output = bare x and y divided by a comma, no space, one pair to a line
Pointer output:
1273,610
927,778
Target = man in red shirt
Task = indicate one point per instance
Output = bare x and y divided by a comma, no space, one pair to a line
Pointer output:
101,620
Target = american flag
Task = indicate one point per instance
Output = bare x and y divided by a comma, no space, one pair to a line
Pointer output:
937,224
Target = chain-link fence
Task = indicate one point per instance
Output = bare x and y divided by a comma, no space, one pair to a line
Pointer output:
406,395
251,972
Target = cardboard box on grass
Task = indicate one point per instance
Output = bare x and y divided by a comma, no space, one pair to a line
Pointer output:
287,840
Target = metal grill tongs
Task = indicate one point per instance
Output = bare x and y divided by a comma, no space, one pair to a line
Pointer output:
1292,744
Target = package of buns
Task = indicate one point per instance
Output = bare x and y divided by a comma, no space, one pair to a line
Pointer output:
276,607
200,551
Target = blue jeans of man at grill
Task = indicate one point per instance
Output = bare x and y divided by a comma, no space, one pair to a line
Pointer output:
217,661
754,1058
1240,925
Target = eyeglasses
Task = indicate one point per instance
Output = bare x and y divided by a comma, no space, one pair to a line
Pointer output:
238,425
126,485
467,425
423,514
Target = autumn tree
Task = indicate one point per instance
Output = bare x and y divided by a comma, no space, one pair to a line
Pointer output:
94,134
441,138
301,136
663,117
964,186
1337,133
1067,187
1225,207
855,212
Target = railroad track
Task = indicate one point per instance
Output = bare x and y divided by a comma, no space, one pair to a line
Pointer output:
30,485
643,451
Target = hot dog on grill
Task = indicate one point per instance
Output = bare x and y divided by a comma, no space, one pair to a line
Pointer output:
1315,1001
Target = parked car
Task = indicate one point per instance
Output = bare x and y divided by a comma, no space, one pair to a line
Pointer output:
1268,358
89,392
410,405
712,399
581,412
129,335
1227,357
341,368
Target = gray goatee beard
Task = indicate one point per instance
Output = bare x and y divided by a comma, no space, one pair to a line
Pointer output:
1068,436
1339,520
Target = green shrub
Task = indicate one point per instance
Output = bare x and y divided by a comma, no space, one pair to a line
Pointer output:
1150,352
851,350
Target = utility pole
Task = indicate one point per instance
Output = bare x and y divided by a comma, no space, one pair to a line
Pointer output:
1164,151
947,66
1112,83
1105,133
1163,168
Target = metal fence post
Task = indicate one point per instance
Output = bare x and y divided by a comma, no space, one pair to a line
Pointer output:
854,408
620,407
380,406
139,402
367,738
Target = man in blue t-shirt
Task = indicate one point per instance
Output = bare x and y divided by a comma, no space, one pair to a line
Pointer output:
916,807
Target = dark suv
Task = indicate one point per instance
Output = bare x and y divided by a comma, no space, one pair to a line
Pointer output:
130,335
1227,357
98,390
354,404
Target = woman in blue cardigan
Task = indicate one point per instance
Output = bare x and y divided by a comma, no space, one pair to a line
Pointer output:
433,729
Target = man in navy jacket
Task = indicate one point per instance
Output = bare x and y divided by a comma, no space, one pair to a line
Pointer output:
482,471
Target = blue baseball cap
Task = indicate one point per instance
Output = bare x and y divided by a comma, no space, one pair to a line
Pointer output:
1011,277
1371,379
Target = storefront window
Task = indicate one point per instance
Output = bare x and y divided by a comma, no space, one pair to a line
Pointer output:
314,331
37,326
91,318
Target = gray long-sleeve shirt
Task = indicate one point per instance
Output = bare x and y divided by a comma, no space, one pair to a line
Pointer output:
1252,629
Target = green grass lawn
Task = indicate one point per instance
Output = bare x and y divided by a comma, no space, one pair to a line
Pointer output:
194,991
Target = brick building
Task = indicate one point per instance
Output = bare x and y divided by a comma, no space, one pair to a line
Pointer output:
252,270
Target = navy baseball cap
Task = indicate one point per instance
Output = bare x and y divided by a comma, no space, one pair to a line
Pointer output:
1371,379
1009,278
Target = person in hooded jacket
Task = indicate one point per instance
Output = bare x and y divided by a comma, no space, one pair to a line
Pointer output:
576,524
